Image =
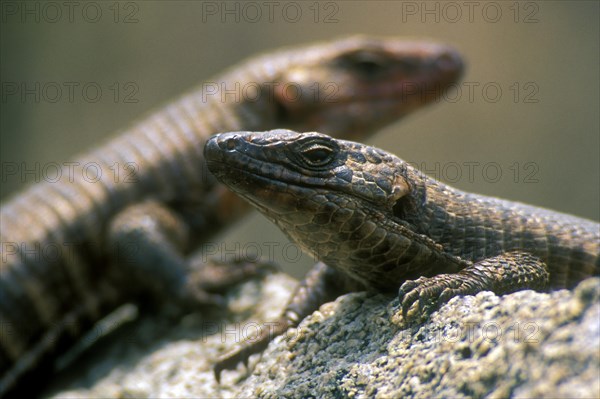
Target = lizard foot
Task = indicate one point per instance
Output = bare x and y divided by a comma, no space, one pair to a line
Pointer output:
242,353
500,274
207,281
426,294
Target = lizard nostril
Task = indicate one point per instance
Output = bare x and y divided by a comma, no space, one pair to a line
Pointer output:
449,61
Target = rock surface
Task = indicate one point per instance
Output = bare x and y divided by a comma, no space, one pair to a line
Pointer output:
526,344
162,356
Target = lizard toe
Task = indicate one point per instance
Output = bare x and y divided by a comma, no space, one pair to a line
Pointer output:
448,294
406,287
409,298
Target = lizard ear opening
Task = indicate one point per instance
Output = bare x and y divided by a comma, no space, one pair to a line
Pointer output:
401,206
407,210
400,187
404,202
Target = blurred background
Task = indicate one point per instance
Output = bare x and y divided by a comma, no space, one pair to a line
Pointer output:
542,132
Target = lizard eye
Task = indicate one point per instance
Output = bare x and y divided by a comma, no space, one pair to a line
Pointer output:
367,64
317,154
368,67
230,144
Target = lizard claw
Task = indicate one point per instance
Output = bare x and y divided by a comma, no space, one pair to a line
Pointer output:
409,295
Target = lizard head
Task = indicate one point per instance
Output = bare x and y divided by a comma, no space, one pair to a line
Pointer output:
262,166
356,84
339,200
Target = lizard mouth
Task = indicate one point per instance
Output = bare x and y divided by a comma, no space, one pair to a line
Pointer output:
254,188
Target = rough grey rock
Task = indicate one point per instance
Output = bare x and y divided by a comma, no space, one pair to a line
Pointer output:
526,344
163,356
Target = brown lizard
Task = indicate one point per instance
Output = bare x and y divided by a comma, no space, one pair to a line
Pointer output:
376,223
74,250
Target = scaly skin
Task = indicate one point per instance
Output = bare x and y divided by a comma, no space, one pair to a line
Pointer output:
74,250
378,224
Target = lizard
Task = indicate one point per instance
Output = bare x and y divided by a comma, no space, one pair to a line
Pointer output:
74,250
376,223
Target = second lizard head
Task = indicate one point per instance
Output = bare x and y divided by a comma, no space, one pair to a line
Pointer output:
350,85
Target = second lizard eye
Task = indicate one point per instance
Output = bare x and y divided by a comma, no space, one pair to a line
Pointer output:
367,64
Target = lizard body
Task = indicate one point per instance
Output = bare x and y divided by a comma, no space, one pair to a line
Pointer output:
74,250
378,224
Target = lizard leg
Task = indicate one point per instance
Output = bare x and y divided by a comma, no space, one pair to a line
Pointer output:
321,284
215,276
501,274
148,242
